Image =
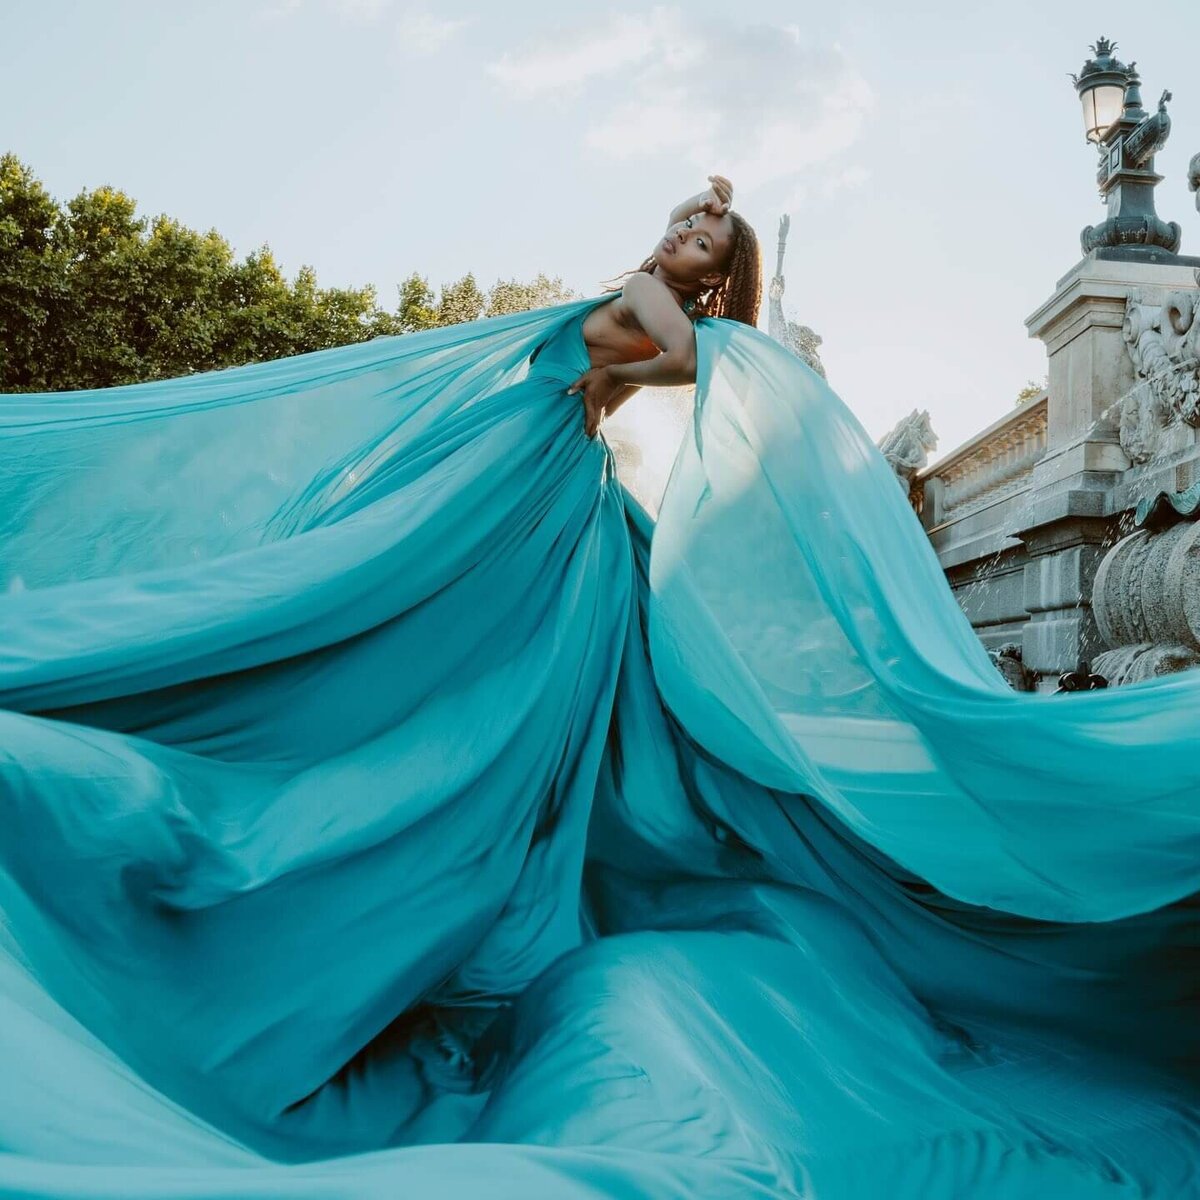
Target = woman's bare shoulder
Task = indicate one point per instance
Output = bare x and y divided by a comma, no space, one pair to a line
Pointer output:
651,304
621,310
642,284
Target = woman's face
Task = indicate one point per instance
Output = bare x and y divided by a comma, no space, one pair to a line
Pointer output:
696,250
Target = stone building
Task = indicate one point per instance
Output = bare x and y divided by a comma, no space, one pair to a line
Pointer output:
1023,515
1068,527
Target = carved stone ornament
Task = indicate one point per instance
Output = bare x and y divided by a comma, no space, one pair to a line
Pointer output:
1010,663
908,446
1164,509
1163,341
1146,597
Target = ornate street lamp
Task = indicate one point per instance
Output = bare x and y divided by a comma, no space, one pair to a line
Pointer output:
1128,138
1101,88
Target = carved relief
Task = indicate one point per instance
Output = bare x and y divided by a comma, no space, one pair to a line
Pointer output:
1163,341
1146,598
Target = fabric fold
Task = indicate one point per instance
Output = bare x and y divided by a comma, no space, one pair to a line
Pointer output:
388,805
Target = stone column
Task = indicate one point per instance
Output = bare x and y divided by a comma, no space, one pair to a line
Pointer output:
1089,366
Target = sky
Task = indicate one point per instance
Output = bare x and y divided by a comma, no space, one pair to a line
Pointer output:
930,155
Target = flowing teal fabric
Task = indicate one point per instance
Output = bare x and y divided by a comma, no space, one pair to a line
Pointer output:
389,808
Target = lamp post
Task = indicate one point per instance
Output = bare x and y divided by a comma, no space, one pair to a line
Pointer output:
1128,137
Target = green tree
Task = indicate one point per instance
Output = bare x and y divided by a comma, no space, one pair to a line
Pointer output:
32,277
460,301
511,296
92,295
418,309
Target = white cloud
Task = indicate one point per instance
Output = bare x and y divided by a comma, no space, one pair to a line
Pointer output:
755,102
419,32
844,180
278,9
361,10
571,61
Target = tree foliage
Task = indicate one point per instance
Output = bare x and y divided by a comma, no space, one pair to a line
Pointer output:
510,296
94,295
1031,391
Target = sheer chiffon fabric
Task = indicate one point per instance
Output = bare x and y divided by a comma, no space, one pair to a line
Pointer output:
391,807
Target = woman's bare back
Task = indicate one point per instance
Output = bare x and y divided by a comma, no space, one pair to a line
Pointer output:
613,335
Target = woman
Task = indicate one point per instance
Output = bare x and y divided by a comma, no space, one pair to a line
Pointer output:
389,809
707,264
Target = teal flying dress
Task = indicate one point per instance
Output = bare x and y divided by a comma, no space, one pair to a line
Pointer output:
390,808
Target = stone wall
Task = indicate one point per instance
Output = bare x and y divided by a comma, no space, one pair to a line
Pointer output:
971,503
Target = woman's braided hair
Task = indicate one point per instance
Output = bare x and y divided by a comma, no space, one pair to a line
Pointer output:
739,295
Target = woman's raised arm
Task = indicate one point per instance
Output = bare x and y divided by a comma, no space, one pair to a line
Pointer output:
717,200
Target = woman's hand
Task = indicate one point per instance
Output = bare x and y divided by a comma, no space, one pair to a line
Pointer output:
718,200
598,388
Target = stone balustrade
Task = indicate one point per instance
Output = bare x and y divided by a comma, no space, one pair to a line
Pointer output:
993,465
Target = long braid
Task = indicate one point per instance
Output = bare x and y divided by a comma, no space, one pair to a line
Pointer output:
739,295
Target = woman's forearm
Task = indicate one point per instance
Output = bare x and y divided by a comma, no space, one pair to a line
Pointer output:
688,208
619,398
667,370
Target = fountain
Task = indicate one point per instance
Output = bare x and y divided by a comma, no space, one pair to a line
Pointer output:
799,339
1025,515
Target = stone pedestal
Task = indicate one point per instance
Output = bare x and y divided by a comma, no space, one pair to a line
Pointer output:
1089,365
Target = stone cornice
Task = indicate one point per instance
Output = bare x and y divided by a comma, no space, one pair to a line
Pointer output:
1094,293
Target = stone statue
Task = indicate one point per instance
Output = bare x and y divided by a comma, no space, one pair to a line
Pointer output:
1163,341
1194,178
908,446
1010,663
799,339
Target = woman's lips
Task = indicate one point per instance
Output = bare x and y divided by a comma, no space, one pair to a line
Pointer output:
668,245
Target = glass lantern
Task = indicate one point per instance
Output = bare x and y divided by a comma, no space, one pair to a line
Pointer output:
1101,87
1102,107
